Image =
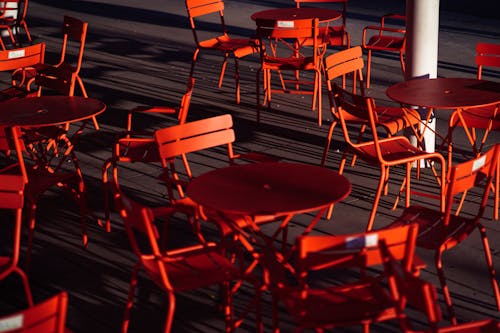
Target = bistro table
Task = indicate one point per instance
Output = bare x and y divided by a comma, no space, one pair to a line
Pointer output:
444,93
37,112
291,14
277,189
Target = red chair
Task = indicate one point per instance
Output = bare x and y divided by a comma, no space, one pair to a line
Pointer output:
486,118
385,37
12,198
40,179
139,147
441,231
219,41
48,316
20,62
281,52
350,62
13,24
181,269
362,299
334,34
384,153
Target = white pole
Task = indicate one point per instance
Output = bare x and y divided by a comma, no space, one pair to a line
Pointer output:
422,32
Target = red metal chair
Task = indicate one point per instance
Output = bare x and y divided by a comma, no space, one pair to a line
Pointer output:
181,269
40,179
20,62
486,118
12,199
181,111
139,147
361,299
335,34
13,24
350,62
441,231
48,316
382,152
280,51
219,41
385,37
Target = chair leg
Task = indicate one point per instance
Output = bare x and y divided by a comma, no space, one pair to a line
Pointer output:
368,68
130,299
237,79
28,35
223,70
193,62
170,313
26,285
446,292
257,89
31,230
328,142
378,194
489,262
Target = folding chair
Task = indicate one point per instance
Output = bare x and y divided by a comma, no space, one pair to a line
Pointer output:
486,118
385,37
381,152
362,298
219,41
39,180
350,62
335,34
280,51
181,269
20,62
13,24
48,316
440,231
12,199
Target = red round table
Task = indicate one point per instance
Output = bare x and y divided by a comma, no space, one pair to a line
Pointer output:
277,189
48,110
269,189
292,14
445,93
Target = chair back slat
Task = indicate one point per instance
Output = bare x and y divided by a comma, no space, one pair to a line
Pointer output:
197,8
48,316
356,250
22,57
75,29
487,54
191,136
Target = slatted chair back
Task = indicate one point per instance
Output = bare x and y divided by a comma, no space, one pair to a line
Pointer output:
487,55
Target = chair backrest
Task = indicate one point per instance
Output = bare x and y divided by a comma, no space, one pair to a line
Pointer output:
286,38
10,141
478,174
343,3
487,55
73,30
352,108
359,250
20,60
180,140
48,316
341,63
198,8
186,101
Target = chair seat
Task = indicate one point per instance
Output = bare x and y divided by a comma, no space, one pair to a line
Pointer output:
226,43
432,232
291,63
385,42
197,270
139,150
396,149
481,117
344,304
394,120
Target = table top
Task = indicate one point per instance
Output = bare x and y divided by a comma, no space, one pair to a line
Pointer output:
48,110
445,93
275,188
292,14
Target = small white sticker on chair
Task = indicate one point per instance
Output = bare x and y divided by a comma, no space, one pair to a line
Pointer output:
11,323
363,241
285,24
479,163
16,54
